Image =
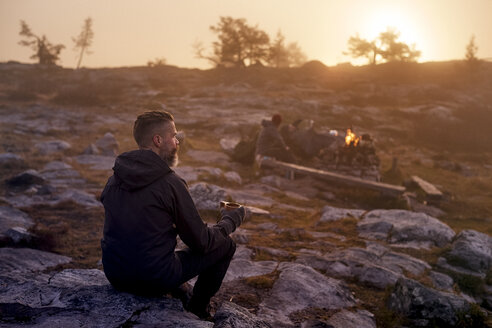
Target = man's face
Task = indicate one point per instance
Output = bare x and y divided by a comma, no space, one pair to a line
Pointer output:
168,150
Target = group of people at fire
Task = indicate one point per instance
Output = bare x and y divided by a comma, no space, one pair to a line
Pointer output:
300,143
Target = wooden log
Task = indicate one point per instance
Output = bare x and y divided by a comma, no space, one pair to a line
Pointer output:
385,188
429,189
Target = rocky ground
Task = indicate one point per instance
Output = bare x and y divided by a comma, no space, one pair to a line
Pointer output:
312,254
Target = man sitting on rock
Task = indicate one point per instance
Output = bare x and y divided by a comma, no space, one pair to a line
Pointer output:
271,144
146,206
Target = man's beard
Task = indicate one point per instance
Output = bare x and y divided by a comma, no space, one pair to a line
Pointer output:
171,159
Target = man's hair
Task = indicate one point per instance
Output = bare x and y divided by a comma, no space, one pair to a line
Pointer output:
147,125
277,119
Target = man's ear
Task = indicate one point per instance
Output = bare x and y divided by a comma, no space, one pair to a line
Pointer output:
156,139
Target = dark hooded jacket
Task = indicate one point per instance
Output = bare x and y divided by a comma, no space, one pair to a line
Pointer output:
269,139
146,206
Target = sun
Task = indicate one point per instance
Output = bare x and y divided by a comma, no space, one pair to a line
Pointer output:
380,20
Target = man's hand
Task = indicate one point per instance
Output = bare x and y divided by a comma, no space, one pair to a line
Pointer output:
231,218
235,214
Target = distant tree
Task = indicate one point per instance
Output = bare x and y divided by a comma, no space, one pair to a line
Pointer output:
157,62
386,46
392,50
281,55
278,55
239,44
471,54
231,48
44,51
199,51
256,44
296,56
359,47
84,40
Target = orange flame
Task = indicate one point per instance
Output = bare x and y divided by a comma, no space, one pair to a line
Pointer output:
351,138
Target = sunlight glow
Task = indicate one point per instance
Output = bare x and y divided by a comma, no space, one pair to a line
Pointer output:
381,19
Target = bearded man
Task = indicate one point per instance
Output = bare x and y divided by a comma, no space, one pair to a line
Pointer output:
146,206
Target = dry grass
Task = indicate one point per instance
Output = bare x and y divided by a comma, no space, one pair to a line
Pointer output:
69,229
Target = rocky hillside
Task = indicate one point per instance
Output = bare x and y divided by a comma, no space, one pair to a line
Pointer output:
312,253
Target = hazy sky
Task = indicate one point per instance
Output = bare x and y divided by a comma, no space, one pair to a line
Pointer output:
132,32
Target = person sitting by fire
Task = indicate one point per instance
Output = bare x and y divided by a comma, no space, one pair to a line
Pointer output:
304,141
271,144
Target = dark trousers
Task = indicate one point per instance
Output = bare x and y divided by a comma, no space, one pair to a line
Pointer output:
211,269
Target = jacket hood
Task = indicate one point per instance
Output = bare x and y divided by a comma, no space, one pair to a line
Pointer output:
139,168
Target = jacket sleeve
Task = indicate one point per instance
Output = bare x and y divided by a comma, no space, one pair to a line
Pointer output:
190,226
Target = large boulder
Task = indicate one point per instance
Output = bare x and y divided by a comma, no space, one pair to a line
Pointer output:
426,306
105,146
472,250
300,287
405,228
25,179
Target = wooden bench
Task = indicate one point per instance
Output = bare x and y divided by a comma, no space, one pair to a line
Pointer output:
385,188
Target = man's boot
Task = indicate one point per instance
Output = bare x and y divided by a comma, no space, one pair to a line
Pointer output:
199,308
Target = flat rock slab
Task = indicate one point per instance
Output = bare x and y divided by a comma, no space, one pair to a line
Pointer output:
41,304
28,260
11,217
405,228
78,196
472,250
300,287
329,213
84,298
377,267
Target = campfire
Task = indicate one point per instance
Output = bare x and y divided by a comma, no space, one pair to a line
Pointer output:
357,156
351,139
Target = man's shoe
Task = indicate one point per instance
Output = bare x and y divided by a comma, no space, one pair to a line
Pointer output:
201,311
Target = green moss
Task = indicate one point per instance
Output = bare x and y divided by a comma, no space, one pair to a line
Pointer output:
474,317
